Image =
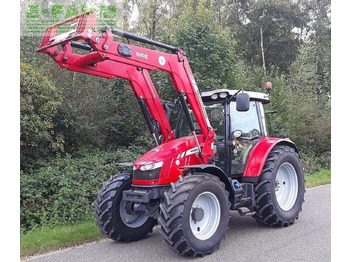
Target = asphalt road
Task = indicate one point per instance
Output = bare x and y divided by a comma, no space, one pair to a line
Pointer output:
309,239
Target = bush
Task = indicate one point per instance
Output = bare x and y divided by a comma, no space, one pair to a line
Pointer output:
40,103
209,47
64,189
313,163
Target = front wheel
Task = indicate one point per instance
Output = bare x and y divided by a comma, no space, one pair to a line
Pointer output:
195,214
280,188
111,216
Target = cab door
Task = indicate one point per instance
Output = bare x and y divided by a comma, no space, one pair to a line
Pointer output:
250,127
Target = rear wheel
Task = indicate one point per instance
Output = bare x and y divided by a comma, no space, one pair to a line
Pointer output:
195,214
280,188
111,216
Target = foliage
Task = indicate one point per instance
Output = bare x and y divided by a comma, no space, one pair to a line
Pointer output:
275,20
209,47
103,112
315,162
40,104
153,21
320,35
250,78
310,110
64,189
93,111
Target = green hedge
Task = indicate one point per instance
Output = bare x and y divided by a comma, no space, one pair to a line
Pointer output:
315,163
63,190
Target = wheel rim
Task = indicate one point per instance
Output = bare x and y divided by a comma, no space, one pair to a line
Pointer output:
131,220
209,206
286,186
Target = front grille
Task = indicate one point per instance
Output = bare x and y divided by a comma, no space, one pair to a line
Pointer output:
146,175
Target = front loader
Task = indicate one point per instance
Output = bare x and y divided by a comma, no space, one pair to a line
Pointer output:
217,158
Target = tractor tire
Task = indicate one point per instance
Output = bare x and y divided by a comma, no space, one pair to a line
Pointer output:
280,188
111,216
194,214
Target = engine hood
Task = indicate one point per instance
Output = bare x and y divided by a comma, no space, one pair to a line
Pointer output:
182,145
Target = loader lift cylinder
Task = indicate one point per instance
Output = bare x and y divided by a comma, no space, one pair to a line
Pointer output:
148,119
189,119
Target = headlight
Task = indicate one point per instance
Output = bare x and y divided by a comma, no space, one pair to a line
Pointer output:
149,171
215,96
223,95
151,166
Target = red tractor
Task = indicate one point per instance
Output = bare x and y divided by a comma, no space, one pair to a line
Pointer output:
218,158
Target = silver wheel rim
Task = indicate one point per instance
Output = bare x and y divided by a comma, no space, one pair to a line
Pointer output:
131,220
286,186
210,205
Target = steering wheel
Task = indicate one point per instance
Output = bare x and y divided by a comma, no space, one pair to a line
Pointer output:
218,119
251,135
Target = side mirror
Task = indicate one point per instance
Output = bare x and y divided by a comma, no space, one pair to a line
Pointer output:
242,102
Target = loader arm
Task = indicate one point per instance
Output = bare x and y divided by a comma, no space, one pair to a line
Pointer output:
107,58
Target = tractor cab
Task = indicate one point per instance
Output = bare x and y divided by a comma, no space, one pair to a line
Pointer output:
237,131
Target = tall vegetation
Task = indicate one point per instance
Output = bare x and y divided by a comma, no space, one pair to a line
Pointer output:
75,127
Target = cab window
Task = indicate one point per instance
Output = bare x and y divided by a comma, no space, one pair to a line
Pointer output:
248,123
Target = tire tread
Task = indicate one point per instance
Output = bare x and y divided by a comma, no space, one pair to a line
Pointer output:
266,210
170,221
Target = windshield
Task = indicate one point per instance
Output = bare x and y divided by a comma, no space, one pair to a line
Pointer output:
247,122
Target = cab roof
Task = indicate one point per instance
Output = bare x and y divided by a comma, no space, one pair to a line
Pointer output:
254,96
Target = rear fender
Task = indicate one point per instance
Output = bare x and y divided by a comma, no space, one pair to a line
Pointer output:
259,154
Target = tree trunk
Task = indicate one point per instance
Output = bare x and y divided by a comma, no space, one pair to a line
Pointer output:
262,50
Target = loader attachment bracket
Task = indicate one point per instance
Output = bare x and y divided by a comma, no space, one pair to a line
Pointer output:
82,26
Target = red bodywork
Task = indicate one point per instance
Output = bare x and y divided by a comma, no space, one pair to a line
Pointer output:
105,60
259,153
174,154
177,149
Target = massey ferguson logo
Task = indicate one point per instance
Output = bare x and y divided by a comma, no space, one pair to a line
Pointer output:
144,56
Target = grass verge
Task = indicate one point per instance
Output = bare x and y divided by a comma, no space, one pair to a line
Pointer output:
321,178
48,239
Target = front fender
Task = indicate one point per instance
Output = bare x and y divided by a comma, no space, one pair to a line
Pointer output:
215,171
259,154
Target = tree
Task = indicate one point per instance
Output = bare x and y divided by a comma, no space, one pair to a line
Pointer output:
319,34
40,103
152,19
265,30
303,75
210,48
310,111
